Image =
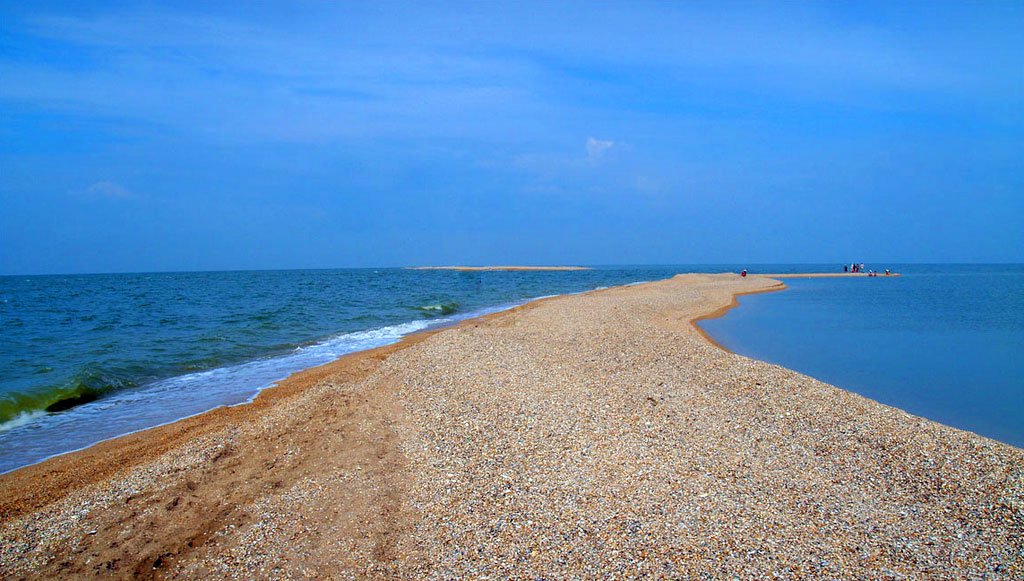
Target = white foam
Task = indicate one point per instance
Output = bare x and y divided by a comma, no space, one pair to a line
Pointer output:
21,419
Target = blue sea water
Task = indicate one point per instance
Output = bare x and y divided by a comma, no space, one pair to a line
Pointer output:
942,341
88,357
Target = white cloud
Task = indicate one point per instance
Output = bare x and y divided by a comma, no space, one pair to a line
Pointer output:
109,190
597,147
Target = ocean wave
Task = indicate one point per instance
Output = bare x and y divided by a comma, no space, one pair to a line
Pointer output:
87,386
208,388
20,420
438,309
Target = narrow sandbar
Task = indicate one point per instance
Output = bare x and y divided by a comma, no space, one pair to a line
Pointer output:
510,268
592,435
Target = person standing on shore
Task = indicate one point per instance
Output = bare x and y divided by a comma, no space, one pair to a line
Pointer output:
846,268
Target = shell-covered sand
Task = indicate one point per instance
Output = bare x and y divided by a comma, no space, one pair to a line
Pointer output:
587,436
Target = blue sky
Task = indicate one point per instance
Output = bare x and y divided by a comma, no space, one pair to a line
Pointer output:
196,136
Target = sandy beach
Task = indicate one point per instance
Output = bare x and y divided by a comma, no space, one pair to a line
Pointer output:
599,435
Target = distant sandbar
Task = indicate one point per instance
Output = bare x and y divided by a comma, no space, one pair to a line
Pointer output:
473,268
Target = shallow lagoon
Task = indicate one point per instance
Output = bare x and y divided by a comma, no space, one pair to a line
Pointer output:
942,341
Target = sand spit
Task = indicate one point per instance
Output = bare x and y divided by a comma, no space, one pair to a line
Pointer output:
485,268
587,436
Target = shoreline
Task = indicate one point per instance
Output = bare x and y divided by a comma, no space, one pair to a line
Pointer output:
164,435
395,413
122,452
721,312
433,327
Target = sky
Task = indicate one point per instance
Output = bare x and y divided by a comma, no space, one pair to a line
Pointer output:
214,135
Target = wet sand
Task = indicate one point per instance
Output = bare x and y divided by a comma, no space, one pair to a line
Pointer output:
593,435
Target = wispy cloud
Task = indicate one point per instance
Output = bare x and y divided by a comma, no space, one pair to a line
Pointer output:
596,148
109,190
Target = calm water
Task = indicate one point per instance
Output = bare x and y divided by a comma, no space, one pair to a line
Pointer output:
85,358
944,342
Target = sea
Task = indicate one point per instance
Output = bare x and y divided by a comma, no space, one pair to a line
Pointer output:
84,358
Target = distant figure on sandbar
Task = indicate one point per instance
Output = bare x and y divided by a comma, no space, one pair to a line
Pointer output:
744,272
846,268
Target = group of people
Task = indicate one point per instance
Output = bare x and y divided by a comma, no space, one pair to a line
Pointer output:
860,268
